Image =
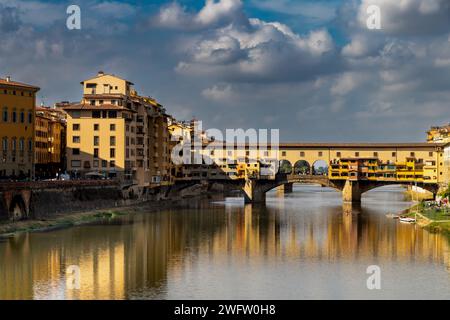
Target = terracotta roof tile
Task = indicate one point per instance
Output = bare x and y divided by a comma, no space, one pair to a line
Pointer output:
17,84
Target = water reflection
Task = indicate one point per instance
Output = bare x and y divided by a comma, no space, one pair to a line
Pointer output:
303,245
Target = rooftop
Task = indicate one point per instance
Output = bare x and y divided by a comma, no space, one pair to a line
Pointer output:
8,82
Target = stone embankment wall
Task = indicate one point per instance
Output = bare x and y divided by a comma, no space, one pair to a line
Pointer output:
42,200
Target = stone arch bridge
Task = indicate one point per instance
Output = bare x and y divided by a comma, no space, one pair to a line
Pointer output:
255,189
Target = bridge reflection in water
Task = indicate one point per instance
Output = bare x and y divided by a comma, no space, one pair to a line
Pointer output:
304,245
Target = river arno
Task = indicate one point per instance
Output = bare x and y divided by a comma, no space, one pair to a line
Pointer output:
305,245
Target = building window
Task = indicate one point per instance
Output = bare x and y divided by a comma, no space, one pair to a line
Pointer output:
375,154
320,153
394,154
5,144
30,117
30,145
412,154
14,116
112,114
96,126
112,127
95,163
283,153
21,144
76,127
104,163
76,139
112,164
95,152
96,141
76,114
75,163
356,154
96,114
5,114
75,151
112,141
430,154
14,144
22,117
112,153
338,154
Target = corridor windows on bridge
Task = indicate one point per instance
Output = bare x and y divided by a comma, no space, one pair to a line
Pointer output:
283,153
394,154
338,154
320,168
430,154
302,167
320,154
302,154
412,154
356,154
375,154
285,167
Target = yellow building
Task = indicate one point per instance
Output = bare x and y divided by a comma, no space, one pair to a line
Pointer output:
115,133
50,139
439,134
17,104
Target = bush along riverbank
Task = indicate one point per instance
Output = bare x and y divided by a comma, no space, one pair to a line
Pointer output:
431,216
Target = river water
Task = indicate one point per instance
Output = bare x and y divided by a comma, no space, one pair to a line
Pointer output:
304,245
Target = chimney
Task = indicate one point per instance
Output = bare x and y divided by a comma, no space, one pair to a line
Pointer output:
100,73
8,78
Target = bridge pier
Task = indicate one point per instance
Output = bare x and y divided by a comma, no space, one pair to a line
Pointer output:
254,192
351,192
287,188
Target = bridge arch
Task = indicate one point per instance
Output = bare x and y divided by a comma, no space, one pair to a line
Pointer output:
17,207
302,167
370,187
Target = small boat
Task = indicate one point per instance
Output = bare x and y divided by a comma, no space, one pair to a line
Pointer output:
407,220
392,216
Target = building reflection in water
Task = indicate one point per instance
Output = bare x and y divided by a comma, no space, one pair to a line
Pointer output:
142,255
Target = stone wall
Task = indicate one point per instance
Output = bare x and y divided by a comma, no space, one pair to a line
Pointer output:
49,202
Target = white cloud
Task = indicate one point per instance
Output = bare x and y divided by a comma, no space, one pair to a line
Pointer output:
315,10
347,82
218,93
212,13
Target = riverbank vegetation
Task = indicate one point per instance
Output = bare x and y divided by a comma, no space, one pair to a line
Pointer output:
8,229
434,216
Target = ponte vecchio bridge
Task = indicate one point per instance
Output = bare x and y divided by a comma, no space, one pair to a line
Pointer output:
353,168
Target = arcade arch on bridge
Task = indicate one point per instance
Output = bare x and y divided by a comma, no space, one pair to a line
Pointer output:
320,168
302,167
285,167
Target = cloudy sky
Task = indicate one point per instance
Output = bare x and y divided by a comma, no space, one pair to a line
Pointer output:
311,68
